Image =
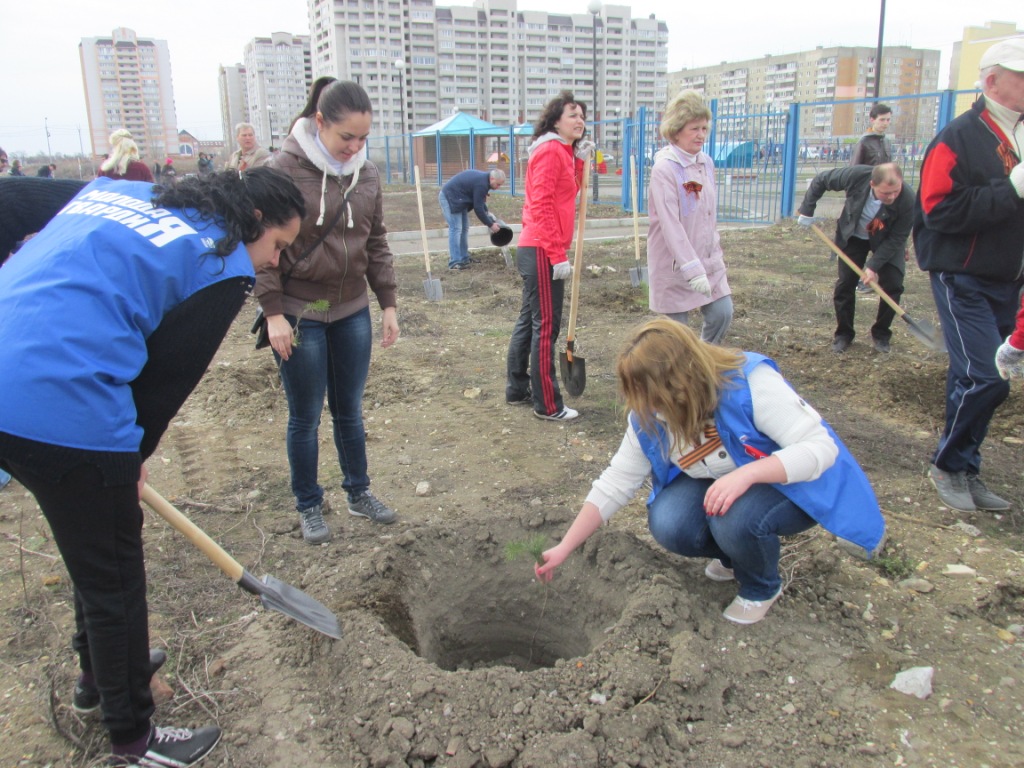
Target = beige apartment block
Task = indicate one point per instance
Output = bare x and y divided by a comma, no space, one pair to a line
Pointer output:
421,62
128,85
823,74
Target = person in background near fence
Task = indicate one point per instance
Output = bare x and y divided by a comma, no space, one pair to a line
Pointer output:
873,148
249,153
123,161
877,218
5,165
464,192
105,328
553,176
969,236
343,245
684,256
204,164
736,459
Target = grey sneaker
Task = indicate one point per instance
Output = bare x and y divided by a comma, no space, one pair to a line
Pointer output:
983,498
314,529
952,488
369,506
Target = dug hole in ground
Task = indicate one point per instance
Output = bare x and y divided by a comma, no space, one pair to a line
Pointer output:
455,656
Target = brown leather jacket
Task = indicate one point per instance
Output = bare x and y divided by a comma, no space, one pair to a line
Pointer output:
354,253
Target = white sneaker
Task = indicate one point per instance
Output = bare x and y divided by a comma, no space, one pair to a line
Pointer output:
718,572
566,414
743,611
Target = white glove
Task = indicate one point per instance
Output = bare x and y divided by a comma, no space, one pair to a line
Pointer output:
585,149
701,285
805,221
1010,361
561,270
1017,179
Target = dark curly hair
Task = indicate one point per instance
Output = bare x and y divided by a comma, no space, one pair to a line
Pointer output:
553,113
232,199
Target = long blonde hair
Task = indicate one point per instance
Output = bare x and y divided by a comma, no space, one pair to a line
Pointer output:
123,150
665,369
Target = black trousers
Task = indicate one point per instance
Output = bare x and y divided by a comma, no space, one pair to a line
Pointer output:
531,351
98,530
844,297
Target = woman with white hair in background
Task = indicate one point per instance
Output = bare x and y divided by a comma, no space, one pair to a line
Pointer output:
123,161
687,266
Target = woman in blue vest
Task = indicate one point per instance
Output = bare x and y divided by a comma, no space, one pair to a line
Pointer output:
108,319
736,458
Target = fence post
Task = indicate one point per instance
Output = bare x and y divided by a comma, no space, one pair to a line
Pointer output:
472,148
641,173
947,109
512,178
713,135
790,154
412,159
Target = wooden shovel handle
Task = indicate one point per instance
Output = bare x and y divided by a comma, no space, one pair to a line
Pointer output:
860,273
423,223
231,567
577,267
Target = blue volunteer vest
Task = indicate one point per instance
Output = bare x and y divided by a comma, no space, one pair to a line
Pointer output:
78,302
841,500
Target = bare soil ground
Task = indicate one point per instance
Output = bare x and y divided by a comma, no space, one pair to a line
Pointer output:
454,656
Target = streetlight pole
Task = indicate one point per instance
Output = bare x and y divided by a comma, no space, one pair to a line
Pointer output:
595,8
878,51
400,65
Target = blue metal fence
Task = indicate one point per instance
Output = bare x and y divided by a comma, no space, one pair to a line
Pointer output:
764,157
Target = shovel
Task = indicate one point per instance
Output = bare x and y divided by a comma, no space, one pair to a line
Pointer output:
573,367
637,274
921,330
274,594
431,286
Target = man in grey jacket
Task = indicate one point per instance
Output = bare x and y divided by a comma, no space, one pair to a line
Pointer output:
876,219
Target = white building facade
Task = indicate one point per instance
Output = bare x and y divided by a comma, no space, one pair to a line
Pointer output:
128,85
420,62
234,100
278,74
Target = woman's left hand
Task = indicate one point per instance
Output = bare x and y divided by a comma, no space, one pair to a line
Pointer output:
389,327
726,489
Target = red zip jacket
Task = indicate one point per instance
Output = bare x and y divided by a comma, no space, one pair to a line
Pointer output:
552,182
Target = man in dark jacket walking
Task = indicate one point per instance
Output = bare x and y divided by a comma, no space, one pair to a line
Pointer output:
876,219
969,236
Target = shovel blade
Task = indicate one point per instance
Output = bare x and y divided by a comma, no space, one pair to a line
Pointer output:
293,603
924,332
574,373
638,276
432,288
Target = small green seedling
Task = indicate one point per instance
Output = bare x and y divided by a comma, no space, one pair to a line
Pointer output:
535,546
320,305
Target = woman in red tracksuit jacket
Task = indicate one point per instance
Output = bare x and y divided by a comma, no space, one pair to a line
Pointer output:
552,183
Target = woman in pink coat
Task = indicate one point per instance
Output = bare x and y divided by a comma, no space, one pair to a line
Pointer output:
684,257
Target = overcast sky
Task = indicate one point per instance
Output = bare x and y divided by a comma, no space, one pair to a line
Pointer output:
41,76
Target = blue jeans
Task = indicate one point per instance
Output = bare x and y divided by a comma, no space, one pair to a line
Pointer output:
746,538
332,358
717,319
976,315
458,232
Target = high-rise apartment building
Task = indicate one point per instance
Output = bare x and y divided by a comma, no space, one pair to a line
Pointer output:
420,62
278,74
967,53
128,85
824,74
234,100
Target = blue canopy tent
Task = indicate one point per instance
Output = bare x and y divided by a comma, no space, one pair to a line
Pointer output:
454,144
735,154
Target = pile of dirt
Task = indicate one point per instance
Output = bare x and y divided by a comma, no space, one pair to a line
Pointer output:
454,655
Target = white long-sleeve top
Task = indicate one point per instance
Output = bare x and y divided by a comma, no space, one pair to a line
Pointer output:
806,448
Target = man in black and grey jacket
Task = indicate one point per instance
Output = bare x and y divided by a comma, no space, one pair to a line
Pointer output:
876,219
